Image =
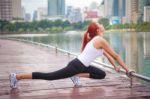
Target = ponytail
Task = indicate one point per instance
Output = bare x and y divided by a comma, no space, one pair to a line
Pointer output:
90,34
84,41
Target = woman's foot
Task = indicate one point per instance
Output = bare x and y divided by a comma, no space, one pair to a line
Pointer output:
13,80
76,81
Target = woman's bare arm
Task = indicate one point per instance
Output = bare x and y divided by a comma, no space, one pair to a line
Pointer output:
111,60
104,44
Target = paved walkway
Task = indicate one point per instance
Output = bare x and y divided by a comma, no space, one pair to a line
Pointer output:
24,57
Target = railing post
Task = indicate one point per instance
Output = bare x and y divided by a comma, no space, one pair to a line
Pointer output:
131,82
56,49
68,55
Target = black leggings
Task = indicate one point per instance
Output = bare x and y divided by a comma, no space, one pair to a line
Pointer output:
74,67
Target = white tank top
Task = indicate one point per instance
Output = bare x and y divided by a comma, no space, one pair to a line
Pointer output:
89,54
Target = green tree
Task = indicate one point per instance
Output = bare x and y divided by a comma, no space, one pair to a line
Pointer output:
105,22
58,22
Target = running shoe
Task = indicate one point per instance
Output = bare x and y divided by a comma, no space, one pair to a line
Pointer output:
13,80
76,81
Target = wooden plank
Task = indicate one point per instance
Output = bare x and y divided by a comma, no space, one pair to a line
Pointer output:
24,57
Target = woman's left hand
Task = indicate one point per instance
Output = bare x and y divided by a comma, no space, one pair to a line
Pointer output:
117,68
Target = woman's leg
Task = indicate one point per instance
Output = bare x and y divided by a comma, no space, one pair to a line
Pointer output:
59,74
65,72
85,75
24,76
95,72
71,69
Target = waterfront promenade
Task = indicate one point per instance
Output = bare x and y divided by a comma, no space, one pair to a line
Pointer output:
18,57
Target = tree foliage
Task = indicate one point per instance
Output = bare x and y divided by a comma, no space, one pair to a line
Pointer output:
59,25
104,22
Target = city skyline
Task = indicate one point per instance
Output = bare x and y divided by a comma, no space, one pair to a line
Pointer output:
31,6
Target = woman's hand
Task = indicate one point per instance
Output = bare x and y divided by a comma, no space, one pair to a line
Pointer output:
129,73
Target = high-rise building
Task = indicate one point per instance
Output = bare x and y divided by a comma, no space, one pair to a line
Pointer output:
119,8
77,15
131,11
52,7
10,9
35,15
142,4
147,14
23,12
115,8
101,9
41,13
122,8
108,6
27,17
56,7
69,10
6,10
16,9
74,14
61,7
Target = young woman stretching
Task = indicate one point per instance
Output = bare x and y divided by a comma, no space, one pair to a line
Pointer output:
94,45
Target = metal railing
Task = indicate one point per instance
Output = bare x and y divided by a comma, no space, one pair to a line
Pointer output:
134,74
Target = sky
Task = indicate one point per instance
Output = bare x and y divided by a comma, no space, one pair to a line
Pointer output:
31,5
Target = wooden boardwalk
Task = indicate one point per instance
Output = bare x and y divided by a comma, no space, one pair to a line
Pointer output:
24,57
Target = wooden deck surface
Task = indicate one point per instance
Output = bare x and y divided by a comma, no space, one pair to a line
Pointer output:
24,57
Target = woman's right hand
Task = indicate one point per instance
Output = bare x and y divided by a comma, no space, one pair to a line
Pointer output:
129,73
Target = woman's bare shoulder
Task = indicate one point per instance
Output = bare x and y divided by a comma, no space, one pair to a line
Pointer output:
99,41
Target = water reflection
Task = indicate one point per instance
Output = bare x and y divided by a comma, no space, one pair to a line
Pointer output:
144,54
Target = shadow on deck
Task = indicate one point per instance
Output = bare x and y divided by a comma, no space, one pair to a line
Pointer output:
24,57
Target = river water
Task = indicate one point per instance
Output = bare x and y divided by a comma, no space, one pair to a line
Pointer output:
134,48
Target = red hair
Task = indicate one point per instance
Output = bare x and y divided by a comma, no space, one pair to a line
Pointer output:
92,30
89,34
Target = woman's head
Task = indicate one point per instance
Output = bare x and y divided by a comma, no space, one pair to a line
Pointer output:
95,29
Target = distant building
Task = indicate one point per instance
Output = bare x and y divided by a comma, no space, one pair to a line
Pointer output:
77,15
69,10
74,14
101,10
115,8
118,10
56,7
23,12
35,15
147,14
63,18
27,17
41,13
142,4
115,20
6,10
10,10
131,11
108,8
122,8
91,15
16,10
